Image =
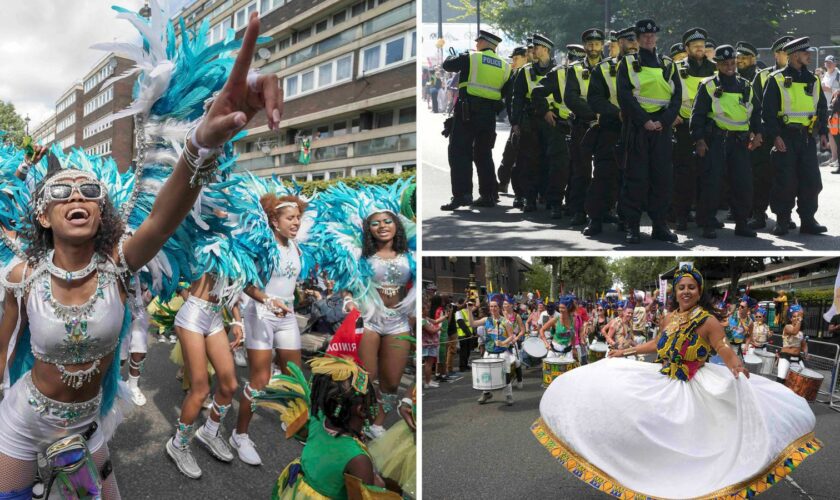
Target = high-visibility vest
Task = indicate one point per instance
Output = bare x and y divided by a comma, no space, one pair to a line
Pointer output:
834,124
487,75
532,79
690,85
650,87
607,69
729,111
464,315
582,74
560,108
797,106
764,75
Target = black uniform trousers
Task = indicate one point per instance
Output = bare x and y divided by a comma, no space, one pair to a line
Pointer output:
469,141
797,175
603,190
580,169
506,168
686,168
762,174
648,176
727,158
543,159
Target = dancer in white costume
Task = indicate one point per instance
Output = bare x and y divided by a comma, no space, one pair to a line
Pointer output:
690,429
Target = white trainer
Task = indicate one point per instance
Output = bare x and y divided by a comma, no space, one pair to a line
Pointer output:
137,396
183,459
245,448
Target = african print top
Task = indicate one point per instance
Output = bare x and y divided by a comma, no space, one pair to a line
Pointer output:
681,350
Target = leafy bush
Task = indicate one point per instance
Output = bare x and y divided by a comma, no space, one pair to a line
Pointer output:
377,180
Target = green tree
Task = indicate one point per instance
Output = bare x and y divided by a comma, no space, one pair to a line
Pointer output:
537,278
12,125
585,276
641,273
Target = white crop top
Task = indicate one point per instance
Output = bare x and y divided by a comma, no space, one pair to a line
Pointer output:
389,275
284,278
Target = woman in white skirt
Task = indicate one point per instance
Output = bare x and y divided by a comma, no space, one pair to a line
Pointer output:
688,429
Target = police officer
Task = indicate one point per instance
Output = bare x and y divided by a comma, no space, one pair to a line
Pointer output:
649,94
678,52
484,78
726,124
761,168
691,71
614,47
710,49
518,60
543,153
747,54
603,100
793,110
580,157
575,52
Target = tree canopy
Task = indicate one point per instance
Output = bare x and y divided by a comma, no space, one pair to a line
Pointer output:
12,126
640,273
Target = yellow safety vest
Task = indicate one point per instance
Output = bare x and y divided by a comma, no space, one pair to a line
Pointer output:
488,74
764,75
690,85
462,315
582,75
532,79
728,111
609,78
650,88
797,106
560,108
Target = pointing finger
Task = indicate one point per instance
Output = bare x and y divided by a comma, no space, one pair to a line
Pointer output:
239,73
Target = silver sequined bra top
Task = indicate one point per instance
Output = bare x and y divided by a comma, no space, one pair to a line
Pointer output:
73,335
390,275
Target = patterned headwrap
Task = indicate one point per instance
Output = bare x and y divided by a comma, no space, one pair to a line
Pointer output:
497,298
794,309
762,311
688,270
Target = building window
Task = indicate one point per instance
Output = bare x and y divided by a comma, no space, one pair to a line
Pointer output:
387,53
383,119
68,141
340,128
339,18
357,9
330,73
93,130
284,43
66,103
390,18
242,15
100,75
322,26
100,100
219,31
103,148
66,122
408,115
360,172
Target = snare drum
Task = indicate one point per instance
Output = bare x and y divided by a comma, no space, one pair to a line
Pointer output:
488,374
804,381
535,347
752,363
768,361
597,351
554,367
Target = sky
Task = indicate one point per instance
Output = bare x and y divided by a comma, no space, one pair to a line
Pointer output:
45,47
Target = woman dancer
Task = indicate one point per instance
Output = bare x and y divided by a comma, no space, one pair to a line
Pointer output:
760,332
619,332
518,330
794,347
686,424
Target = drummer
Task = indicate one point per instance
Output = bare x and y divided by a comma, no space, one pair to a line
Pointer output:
739,328
515,320
596,325
760,329
534,321
619,334
794,347
499,343
562,329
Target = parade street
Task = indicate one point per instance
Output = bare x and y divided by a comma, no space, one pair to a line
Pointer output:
483,451
143,468
504,227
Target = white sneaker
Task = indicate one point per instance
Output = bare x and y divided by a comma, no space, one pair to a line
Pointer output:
161,339
173,339
183,459
375,431
215,444
519,384
245,448
208,402
137,396
239,357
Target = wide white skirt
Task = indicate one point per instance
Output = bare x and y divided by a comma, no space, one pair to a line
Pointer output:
628,430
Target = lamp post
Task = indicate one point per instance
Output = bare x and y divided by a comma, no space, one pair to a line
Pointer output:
477,17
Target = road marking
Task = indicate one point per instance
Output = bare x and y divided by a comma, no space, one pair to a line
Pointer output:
427,164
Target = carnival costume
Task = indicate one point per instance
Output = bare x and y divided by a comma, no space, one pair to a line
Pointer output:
688,429
319,472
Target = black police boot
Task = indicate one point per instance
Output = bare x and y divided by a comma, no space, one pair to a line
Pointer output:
812,227
530,206
709,232
743,229
682,223
556,212
503,188
518,202
662,232
730,216
594,227
782,226
791,225
578,219
484,202
611,218
456,203
717,224
632,235
757,222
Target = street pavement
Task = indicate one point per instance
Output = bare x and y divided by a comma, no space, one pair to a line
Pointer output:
488,451
507,228
143,468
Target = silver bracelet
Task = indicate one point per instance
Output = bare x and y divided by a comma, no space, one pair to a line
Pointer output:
204,164
237,323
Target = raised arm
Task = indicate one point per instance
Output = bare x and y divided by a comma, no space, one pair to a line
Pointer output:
234,106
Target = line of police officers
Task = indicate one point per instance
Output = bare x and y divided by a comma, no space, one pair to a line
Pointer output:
605,140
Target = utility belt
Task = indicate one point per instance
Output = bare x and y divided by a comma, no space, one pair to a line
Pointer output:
560,124
797,129
469,104
68,465
739,135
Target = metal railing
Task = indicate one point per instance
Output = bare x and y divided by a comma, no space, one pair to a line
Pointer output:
824,358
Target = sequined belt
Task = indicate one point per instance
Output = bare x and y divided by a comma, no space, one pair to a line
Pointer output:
67,413
208,306
389,290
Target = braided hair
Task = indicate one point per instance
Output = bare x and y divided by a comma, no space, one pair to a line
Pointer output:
335,399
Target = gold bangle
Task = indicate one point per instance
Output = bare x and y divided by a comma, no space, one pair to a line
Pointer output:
629,352
721,345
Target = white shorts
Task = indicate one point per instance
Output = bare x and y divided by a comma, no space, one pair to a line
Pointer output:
200,316
265,331
30,422
392,325
137,340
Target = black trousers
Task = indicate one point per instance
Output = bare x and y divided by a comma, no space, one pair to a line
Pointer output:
506,168
465,347
727,158
473,141
580,169
648,176
603,190
433,94
686,168
543,159
797,176
762,174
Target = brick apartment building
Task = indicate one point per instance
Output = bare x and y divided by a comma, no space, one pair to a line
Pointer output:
349,77
45,132
452,275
